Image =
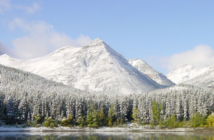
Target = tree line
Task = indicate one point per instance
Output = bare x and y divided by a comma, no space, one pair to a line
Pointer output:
160,107
29,99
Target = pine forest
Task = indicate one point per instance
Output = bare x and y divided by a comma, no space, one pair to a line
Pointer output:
31,100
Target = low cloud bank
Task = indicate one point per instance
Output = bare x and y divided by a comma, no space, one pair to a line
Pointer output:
40,39
200,55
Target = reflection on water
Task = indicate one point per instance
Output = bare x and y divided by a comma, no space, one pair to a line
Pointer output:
106,136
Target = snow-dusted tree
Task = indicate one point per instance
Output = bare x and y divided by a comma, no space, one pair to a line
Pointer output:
23,109
178,107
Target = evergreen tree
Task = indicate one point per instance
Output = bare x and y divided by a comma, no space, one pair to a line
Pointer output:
111,116
156,109
10,109
102,117
92,119
135,114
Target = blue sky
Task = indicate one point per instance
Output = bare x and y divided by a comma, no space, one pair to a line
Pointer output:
164,33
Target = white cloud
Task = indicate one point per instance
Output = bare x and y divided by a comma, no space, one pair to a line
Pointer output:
200,55
29,9
41,39
4,5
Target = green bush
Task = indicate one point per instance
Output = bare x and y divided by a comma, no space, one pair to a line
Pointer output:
183,123
50,123
210,120
64,122
80,121
53,124
119,121
171,122
70,119
38,119
197,120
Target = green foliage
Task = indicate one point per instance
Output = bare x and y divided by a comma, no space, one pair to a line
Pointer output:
67,121
183,123
210,120
171,122
161,124
55,123
64,122
38,119
47,122
70,119
197,120
135,114
50,123
102,117
80,121
92,119
156,109
119,121
110,116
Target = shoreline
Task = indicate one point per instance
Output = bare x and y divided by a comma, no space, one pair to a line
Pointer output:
101,129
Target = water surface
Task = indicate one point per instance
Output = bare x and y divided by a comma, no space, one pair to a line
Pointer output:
106,136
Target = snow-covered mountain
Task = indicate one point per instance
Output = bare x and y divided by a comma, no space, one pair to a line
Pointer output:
94,67
194,75
149,71
22,82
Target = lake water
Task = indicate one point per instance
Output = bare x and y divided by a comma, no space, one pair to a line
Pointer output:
106,136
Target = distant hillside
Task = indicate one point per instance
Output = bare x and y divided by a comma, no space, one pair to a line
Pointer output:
193,75
14,80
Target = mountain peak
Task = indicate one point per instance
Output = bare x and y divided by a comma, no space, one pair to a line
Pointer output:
96,42
95,67
5,56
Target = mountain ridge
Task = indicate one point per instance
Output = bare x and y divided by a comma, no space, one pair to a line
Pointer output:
150,72
93,67
188,72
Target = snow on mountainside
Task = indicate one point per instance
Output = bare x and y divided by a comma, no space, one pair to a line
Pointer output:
194,75
21,82
149,71
94,67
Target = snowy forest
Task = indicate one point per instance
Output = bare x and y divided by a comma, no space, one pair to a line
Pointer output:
29,99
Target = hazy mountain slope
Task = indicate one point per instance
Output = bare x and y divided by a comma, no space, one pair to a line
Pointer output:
189,72
20,82
95,67
205,79
149,71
